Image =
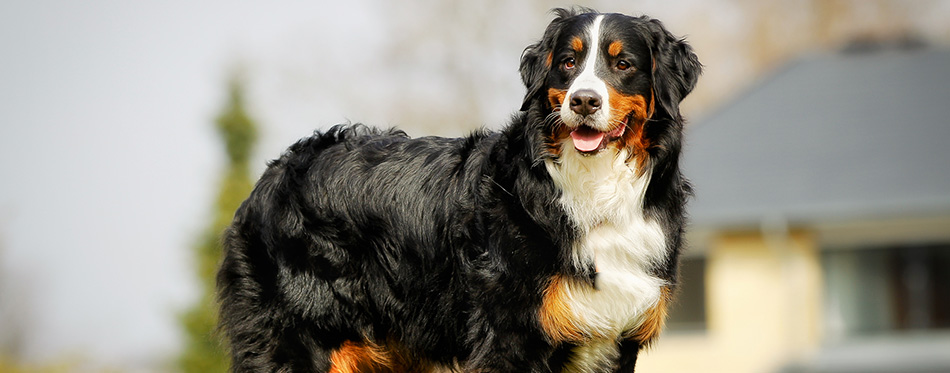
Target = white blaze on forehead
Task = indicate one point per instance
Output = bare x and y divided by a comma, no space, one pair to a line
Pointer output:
588,79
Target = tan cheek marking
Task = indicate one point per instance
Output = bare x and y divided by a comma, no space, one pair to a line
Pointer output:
577,44
615,48
555,139
556,97
653,324
560,132
556,317
622,105
549,59
634,138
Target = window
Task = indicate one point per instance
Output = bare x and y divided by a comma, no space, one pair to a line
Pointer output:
688,311
875,291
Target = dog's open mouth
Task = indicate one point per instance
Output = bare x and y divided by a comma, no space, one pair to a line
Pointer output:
588,140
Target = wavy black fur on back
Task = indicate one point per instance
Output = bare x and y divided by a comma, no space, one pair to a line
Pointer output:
367,250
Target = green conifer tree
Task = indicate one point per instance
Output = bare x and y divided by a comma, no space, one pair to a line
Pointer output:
204,350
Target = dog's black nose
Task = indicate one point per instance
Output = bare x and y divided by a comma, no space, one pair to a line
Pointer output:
585,102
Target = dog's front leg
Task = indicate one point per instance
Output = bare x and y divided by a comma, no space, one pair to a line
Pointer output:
510,352
629,349
502,339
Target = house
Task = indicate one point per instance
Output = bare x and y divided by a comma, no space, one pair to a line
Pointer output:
820,236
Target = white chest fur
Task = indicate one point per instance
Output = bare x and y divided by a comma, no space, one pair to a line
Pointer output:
604,197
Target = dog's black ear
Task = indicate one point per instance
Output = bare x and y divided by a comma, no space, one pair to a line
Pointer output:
675,68
536,58
533,71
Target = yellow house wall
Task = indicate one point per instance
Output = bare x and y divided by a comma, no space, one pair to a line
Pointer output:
763,296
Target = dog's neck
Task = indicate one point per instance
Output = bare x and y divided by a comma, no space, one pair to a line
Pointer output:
599,188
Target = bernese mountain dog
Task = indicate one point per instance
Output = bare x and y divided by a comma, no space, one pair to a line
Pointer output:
548,246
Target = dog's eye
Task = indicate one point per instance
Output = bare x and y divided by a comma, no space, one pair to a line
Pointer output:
623,65
568,63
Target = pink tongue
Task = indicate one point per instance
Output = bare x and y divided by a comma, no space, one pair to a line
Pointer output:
587,139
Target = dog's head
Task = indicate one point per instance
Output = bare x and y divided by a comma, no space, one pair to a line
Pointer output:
601,77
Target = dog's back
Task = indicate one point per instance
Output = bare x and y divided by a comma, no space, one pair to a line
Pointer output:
349,233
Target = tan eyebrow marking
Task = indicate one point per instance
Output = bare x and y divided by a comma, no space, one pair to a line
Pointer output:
577,44
615,48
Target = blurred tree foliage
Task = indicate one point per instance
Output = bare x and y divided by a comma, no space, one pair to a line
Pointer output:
204,349
11,366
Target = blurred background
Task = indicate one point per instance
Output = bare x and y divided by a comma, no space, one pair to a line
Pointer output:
817,144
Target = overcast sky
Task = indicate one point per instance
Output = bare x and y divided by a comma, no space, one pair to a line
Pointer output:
109,160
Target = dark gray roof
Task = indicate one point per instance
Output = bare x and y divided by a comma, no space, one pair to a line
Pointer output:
830,137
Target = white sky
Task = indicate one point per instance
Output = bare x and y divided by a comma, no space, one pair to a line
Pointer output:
109,160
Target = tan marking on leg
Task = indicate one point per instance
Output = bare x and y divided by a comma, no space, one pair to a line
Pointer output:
354,357
557,319
653,323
